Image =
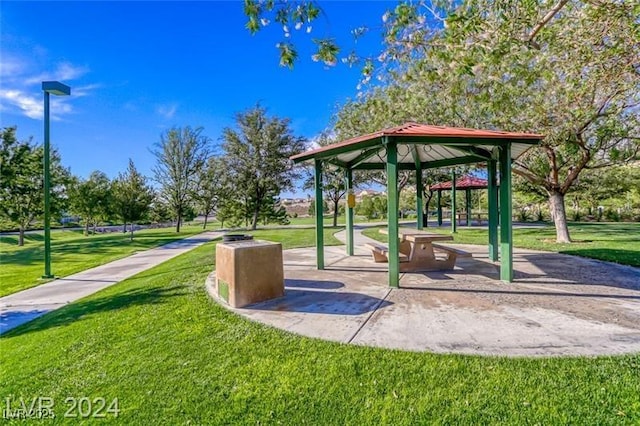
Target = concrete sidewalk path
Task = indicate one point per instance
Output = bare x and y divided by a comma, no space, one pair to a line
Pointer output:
24,306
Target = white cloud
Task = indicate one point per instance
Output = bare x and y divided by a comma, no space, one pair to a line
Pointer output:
320,139
33,107
81,91
21,92
10,67
30,106
167,111
64,71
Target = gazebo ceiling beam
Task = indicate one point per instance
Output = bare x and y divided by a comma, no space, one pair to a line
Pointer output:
467,159
336,162
474,150
364,155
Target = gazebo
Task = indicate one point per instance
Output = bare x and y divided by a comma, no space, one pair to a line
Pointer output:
468,183
414,146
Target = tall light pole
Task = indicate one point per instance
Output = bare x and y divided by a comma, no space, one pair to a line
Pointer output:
58,89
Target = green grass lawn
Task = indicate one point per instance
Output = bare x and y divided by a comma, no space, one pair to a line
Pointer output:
72,252
165,350
613,242
328,220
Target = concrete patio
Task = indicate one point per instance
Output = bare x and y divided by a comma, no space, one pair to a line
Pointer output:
557,304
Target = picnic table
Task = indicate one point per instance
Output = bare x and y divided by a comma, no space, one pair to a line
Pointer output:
418,251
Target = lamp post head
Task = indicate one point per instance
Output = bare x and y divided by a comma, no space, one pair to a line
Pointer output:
56,88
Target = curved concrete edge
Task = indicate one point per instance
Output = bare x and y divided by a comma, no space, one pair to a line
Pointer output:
461,317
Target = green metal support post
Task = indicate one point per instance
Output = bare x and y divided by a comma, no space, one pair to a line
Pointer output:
58,89
454,224
439,207
319,216
392,213
47,189
419,199
506,241
349,210
467,199
492,184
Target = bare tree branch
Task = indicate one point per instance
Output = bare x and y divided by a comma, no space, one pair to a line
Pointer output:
536,29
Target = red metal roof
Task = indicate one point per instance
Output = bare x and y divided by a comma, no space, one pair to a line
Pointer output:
466,182
424,130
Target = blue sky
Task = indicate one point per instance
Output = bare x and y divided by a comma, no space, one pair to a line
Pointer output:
138,68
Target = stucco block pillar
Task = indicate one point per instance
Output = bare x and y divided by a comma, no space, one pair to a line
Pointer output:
249,272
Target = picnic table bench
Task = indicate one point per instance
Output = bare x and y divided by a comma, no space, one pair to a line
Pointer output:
417,252
381,253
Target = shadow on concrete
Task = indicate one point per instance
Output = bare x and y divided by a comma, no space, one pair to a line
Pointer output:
322,302
319,285
355,269
89,281
521,293
575,270
186,243
85,308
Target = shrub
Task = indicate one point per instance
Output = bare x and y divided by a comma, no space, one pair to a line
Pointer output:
612,215
523,215
576,215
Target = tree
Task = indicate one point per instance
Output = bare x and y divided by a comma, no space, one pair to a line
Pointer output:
159,210
292,17
614,185
21,181
211,186
132,197
574,76
273,212
257,155
402,24
333,179
567,69
312,207
429,178
91,198
180,155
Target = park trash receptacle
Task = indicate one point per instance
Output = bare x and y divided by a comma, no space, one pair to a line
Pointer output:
249,271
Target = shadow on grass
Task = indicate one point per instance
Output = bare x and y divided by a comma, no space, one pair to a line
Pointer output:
91,246
13,239
85,308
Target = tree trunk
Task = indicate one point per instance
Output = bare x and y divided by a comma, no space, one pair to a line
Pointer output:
204,226
556,202
124,228
131,233
425,215
21,236
178,222
86,228
335,213
256,212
